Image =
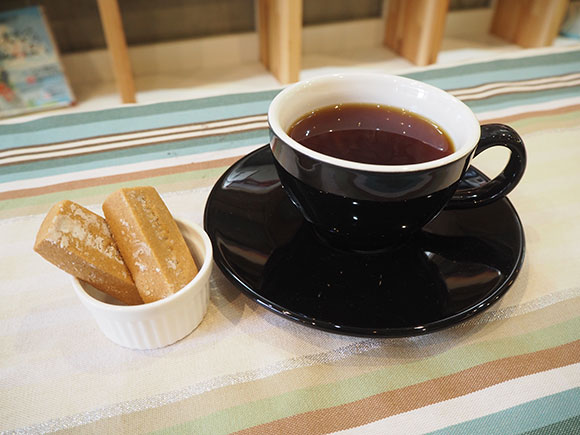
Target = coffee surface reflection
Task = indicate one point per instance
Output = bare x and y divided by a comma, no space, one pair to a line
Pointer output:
372,133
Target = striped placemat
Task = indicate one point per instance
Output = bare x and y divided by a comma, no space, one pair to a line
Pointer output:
163,144
513,369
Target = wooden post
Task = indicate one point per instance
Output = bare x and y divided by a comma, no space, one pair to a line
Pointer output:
529,23
414,28
280,35
117,46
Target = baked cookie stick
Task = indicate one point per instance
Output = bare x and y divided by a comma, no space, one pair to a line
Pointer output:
150,242
78,241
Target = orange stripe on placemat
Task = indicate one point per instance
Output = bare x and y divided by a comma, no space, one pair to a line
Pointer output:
118,178
394,402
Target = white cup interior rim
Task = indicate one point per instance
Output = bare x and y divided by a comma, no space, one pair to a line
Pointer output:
302,97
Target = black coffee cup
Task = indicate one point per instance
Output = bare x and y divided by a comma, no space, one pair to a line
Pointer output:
369,207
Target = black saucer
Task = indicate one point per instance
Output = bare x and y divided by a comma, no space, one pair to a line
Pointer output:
457,266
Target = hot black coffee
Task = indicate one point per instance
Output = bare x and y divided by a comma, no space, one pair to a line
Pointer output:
372,133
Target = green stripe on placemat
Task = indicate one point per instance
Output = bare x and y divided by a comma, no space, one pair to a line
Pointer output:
555,411
564,427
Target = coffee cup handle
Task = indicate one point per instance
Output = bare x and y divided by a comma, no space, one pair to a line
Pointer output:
494,135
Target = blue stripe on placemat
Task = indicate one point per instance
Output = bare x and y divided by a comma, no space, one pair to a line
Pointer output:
133,118
532,415
62,128
524,68
137,118
105,159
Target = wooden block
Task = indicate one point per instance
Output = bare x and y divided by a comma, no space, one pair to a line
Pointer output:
414,28
529,23
280,35
506,19
117,46
541,22
262,19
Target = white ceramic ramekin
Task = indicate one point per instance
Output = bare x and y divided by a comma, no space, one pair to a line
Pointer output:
159,323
